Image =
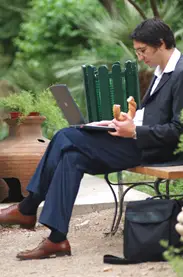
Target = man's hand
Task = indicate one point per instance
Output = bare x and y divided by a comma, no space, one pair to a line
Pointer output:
124,128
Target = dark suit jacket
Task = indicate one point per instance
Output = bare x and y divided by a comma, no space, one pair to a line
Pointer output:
159,135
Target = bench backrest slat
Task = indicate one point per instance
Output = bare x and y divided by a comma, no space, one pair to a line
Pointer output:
118,78
132,81
106,93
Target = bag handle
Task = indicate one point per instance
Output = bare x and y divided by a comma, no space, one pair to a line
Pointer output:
110,259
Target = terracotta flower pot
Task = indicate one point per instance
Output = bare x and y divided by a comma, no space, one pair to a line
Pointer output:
22,150
15,115
34,114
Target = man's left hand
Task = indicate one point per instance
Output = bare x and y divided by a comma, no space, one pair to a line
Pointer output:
124,128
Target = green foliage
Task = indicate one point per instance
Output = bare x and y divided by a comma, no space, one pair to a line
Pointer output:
48,37
172,255
50,28
30,76
19,102
46,105
64,28
5,60
116,30
11,13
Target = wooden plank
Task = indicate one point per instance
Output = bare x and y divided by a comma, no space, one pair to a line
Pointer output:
169,172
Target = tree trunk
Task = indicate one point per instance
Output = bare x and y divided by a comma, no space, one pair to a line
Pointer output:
140,11
108,5
154,8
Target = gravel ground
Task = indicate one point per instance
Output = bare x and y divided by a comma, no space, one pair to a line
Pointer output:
89,244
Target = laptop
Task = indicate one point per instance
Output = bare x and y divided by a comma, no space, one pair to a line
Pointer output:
71,111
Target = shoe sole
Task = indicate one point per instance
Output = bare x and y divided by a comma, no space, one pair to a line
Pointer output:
22,226
59,254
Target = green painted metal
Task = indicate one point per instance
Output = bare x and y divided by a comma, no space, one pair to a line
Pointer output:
104,88
105,93
97,86
132,81
118,78
92,100
86,90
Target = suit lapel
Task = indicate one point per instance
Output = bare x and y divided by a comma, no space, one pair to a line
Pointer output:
163,80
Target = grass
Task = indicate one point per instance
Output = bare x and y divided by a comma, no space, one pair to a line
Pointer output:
176,187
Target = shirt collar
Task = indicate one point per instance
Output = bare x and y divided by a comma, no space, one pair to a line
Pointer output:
170,65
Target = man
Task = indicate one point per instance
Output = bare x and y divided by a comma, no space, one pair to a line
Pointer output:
151,137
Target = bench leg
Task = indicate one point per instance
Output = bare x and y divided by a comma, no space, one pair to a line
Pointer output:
122,201
157,190
168,189
116,221
115,202
156,187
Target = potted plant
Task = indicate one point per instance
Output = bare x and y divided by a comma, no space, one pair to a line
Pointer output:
17,104
25,103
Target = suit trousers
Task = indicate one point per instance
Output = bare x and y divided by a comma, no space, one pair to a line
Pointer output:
70,154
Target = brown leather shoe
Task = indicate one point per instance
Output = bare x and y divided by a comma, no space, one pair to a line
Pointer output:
46,249
12,215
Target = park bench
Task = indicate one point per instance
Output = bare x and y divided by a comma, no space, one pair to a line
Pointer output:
103,88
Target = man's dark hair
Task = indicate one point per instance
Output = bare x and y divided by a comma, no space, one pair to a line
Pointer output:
152,31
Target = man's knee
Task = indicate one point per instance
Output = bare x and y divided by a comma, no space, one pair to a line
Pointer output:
60,132
61,140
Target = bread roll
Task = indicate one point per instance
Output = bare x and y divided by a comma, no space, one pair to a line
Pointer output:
132,106
131,109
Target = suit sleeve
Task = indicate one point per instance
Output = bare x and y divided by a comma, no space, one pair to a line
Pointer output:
158,136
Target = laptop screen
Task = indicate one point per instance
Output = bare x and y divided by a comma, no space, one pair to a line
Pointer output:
67,104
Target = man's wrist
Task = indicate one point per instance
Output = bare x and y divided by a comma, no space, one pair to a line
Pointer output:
134,135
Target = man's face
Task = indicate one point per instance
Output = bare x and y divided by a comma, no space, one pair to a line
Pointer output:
150,55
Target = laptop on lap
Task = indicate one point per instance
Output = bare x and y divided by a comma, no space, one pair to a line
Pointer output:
71,111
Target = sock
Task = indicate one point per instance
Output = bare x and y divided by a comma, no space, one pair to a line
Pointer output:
56,236
30,204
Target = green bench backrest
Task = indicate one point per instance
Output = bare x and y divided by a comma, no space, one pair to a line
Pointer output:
104,88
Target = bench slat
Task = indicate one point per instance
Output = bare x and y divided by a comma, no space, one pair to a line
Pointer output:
169,172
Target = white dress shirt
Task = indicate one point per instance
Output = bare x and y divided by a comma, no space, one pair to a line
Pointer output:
138,119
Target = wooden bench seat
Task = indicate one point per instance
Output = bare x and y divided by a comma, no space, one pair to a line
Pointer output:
168,172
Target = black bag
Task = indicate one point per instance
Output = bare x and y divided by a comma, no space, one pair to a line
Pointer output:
147,222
